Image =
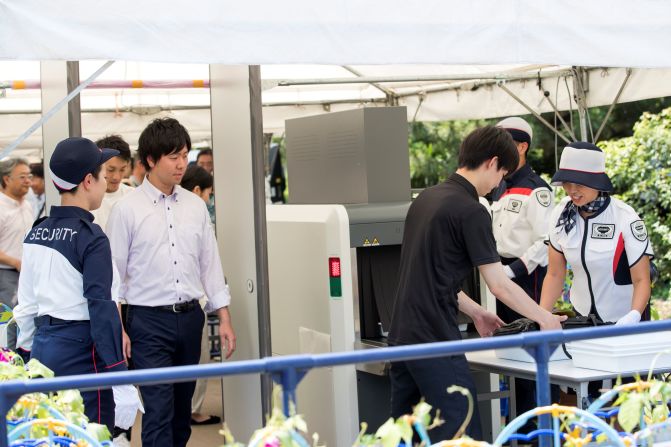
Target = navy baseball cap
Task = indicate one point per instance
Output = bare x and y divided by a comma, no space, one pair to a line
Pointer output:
73,159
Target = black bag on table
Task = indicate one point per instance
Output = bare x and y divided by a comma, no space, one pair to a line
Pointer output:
526,325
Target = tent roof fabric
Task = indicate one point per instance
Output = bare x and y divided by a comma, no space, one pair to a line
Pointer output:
613,33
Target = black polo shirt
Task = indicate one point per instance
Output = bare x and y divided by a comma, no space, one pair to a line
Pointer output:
447,233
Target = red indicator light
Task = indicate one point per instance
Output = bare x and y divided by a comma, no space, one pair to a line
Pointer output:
334,267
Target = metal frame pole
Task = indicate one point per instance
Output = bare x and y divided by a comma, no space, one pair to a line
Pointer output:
533,112
541,354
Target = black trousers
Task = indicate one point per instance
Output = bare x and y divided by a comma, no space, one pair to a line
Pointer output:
67,349
162,338
430,378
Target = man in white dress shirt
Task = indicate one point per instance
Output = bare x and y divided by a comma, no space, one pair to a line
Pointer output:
114,170
165,251
16,218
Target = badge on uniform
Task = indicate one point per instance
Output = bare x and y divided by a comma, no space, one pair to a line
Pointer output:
514,205
638,230
603,231
544,197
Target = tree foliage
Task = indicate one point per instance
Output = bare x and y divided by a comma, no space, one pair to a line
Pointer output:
434,149
640,169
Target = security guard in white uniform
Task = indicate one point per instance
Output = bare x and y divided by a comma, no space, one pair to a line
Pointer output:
521,213
603,240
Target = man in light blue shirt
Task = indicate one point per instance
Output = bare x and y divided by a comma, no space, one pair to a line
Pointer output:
165,251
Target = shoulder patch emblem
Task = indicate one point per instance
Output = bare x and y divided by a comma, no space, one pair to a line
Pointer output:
514,205
638,230
544,197
603,231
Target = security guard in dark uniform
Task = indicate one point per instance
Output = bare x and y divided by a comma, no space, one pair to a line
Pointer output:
447,233
521,217
66,316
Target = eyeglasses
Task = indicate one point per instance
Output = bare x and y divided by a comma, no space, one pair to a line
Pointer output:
24,177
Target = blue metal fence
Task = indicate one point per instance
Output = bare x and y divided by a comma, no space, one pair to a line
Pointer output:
289,370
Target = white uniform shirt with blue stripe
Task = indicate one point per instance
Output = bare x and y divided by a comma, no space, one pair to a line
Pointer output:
67,274
165,250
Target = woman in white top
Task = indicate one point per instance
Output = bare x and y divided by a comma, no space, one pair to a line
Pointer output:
603,240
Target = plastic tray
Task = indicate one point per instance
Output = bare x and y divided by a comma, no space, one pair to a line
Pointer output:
521,355
603,361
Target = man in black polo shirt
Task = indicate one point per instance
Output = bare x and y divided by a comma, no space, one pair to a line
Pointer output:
447,233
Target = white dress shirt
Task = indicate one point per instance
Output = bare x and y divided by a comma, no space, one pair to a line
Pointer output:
16,218
37,202
101,215
165,250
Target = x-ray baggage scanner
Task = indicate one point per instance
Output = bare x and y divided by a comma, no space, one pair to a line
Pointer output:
333,256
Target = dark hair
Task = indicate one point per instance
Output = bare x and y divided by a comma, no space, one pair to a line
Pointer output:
203,152
118,143
196,176
485,143
95,173
37,169
163,136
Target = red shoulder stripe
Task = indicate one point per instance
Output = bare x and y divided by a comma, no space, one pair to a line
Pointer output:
520,191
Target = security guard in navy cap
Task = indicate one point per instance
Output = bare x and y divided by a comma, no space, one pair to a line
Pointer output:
66,316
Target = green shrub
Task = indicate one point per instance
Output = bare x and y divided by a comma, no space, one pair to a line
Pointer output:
640,168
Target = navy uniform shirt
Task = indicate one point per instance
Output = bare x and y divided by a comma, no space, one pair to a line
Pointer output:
67,273
447,233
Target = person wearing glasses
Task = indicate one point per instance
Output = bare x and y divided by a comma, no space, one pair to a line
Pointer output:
16,218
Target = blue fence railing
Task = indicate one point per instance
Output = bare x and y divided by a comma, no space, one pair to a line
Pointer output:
289,370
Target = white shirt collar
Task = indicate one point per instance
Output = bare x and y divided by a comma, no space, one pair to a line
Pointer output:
156,194
9,201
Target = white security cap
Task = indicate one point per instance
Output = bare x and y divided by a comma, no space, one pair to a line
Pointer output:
518,128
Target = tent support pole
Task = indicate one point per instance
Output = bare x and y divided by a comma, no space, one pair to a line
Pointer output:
533,112
580,96
392,99
612,106
566,127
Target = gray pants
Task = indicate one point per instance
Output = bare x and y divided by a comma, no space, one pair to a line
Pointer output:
9,284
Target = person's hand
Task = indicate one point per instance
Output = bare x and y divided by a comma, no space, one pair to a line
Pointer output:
127,403
486,323
16,263
551,322
227,336
125,344
632,317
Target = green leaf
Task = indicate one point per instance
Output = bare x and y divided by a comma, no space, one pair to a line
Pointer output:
660,413
388,434
98,431
405,431
630,412
37,369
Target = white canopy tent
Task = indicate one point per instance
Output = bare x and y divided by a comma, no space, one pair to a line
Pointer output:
497,44
430,92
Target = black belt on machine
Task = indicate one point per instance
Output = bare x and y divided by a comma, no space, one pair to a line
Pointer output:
177,308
